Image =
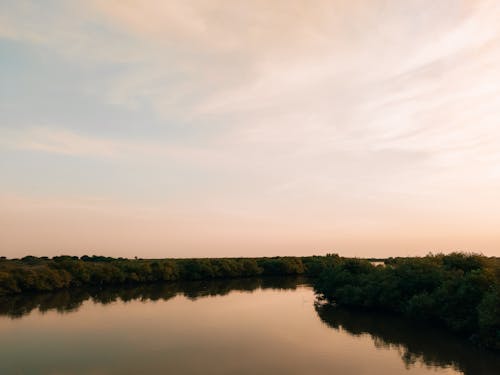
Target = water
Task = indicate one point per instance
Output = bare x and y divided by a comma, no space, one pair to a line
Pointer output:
248,326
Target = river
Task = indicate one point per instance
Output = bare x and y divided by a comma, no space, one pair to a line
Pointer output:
247,326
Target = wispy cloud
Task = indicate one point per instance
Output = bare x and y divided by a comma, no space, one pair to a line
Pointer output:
349,111
57,140
65,142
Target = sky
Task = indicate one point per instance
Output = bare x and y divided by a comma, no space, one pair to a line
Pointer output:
249,128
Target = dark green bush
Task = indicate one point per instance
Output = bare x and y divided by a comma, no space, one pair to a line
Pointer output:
459,291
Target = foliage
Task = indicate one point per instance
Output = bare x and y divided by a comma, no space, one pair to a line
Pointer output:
35,274
459,291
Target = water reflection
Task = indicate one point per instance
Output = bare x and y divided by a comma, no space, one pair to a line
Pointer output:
66,301
416,343
254,329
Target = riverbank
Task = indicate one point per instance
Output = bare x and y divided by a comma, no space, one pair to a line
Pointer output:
42,274
458,291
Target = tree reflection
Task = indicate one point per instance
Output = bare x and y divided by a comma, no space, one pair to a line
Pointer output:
417,344
66,301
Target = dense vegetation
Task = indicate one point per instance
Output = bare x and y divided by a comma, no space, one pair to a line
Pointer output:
33,274
459,291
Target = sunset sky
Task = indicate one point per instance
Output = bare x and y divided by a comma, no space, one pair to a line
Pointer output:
249,128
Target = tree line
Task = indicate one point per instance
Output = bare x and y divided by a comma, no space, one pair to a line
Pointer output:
458,291
43,274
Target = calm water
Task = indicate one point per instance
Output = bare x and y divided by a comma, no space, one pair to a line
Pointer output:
237,327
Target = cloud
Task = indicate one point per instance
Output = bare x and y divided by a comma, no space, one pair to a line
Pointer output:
66,142
306,78
223,55
327,112
57,140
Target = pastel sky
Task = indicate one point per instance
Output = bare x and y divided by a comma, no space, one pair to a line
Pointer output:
249,128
